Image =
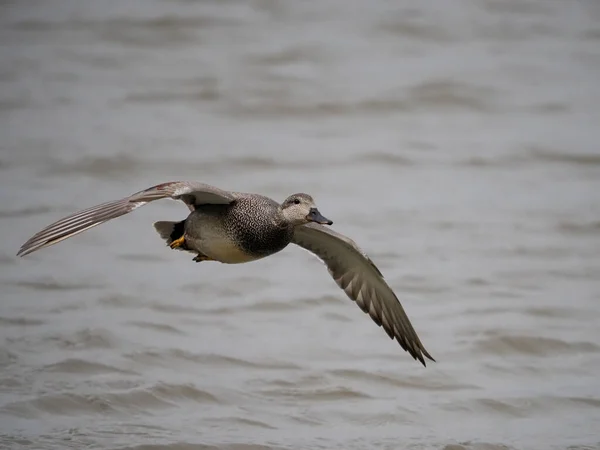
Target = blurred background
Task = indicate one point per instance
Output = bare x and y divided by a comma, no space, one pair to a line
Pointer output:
456,142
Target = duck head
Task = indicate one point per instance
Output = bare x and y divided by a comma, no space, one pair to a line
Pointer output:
299,209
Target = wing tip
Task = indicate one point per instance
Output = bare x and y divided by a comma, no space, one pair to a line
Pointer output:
422,360
26,249
420,354
414,348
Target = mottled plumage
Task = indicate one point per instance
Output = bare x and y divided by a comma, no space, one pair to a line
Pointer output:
234,227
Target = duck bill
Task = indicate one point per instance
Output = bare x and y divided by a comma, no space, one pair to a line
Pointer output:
315,216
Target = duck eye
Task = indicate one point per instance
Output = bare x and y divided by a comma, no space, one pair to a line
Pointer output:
296,201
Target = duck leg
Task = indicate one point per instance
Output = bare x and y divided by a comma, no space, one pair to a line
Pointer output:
201,257
180,242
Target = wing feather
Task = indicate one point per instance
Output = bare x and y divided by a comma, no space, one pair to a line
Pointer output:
190,192
362,281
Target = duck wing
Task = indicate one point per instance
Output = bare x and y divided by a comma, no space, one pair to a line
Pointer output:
362,281
191,193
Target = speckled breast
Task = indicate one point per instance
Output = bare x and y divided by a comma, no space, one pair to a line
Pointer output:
252,225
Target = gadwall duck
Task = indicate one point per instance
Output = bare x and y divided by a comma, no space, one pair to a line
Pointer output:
234,227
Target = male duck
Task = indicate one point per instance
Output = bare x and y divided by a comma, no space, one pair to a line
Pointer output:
234,227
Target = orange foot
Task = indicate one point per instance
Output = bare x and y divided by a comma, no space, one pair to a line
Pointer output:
177,243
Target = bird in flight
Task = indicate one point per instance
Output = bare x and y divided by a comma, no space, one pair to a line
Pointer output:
235,227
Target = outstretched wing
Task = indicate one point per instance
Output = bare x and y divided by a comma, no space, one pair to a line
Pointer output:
362,281
190,192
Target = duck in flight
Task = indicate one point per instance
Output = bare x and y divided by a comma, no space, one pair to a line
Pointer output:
235,227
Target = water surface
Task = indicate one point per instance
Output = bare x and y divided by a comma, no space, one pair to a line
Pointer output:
456,143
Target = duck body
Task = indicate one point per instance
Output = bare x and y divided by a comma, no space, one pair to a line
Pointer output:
249,228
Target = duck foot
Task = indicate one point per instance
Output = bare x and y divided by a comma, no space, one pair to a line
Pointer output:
177,243
201,258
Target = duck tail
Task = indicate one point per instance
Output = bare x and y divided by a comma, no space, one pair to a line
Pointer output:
170,231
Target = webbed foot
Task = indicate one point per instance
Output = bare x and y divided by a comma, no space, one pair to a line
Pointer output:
177,243
200,257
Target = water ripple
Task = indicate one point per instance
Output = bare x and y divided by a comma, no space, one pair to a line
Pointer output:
81,366
160,327
52,285
316,395
24,212
138,400
533,346
20,321
85,339
171,356
477,446
428,384
190,446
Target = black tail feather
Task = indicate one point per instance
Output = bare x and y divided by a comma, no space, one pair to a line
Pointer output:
171,231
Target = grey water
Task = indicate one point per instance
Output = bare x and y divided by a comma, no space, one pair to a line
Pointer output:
456,142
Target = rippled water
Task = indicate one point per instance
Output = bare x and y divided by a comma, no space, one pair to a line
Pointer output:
457,142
